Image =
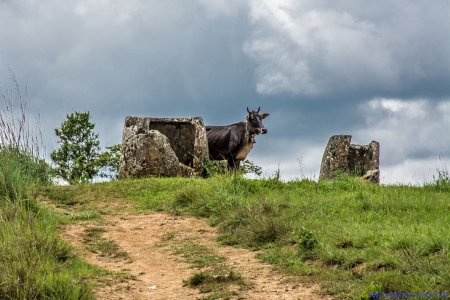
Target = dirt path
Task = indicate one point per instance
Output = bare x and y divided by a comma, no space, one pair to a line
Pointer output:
151,270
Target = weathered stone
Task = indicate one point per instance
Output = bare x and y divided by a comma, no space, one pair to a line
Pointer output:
372,176
359,160
163,147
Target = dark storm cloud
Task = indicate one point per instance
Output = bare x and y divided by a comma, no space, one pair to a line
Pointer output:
376,70
349,48
152,58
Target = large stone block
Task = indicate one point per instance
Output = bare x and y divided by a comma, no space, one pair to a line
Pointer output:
165,147
357,160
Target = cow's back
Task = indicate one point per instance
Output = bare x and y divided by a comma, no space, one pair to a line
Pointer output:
218,140
224,140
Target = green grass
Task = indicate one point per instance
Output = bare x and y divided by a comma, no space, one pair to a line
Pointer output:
18,172
36,263
347,235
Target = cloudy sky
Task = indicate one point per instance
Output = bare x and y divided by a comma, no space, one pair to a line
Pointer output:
377,70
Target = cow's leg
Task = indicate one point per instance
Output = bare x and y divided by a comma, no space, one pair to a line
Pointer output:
233,163
230,163
237,162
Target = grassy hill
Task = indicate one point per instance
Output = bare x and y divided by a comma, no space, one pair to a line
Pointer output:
351,237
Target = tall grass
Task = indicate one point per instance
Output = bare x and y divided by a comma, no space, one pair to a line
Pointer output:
22,148
442,178
19,171
35,262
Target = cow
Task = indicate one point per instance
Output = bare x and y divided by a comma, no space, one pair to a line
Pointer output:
233,142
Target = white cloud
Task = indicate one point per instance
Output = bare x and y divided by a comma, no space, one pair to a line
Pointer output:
398,108
294,158
411,171
412,135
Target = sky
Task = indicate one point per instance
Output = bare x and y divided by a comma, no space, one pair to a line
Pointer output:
376,70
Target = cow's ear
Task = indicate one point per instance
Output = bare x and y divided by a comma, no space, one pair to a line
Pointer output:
264,115
246,117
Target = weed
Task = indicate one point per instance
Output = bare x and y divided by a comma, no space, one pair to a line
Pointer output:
307,243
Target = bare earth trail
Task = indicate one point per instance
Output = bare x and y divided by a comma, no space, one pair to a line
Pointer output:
152,271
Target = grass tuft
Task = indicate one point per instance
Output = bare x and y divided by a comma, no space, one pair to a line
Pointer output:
97,244
218,281
199,256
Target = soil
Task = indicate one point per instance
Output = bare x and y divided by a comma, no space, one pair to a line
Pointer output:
150,270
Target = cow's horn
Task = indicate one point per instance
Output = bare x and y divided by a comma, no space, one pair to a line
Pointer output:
248,110
258,109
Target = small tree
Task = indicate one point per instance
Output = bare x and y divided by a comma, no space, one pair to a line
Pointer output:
76,159
109,162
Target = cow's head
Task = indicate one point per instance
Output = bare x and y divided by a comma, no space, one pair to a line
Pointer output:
254,122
